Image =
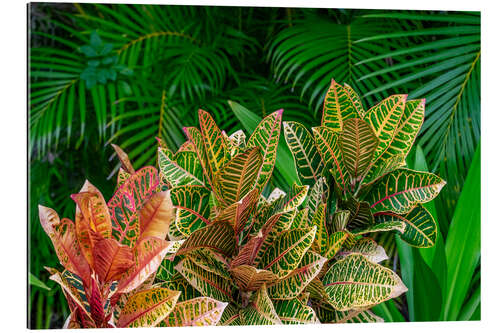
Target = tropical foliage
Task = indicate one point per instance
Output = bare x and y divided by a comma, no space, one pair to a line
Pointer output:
126,74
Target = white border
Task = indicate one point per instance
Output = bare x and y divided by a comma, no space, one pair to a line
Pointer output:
13,150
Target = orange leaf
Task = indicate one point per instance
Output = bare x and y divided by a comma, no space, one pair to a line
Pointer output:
156,215
111,259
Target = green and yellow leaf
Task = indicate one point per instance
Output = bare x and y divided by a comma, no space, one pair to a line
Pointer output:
249,278
217,236
293,312
173,173
355,282
338,107
260,311
366,247
192,210
201,311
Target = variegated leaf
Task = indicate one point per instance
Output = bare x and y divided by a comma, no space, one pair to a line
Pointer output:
266,136
63,236
356,282
173,173
217,236
327,314
179,283
400,190
122,177
215,146
73,289
383,167
327,141
340,219
156,215
231,316
125,161
384,119
201,311
355,100
317,196
249,278
148,308
366,247
271,229
335,243
338,107
238,213
125,204
238,141
188,160
308,163
295,283
406,132
260,311
287,251
192,210
147,256
237,178
111,259
420,229
295,312
357,144
320,243
207,283
380,227
211,261
196,138
360,214
301,219
293,199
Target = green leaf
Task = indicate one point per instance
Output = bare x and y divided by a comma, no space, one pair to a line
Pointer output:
231,316
420,229
357,144
463,243
338,107
266,137
287,251
173,173
400,190
307,160
192,210
216,236
355,282
237,178
34,281
366,247
293,312
260,310
297,280
201,311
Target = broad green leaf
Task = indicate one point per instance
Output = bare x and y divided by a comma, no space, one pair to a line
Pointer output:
188,160
366,247
301,219
463,243
156,215
266,137
355,100
215,145
201,311
237,178
260,311
384,118
207,283
231,316
34,281
388,311
216,236
338,107
192,210
327,142
357,144
249,278
400,190
173,173
406,132
147,256
111,259
179,283
284,160
148,308
419,226
307,160
356,282
287,251
211,261
295,312
297,280
63,236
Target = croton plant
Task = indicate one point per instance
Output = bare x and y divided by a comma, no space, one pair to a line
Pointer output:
198,242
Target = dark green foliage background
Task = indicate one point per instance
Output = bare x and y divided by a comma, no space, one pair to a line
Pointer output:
171,60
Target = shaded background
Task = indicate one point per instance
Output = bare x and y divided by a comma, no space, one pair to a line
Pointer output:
126,74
